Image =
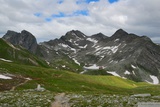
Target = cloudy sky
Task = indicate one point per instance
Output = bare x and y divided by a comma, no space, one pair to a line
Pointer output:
49,19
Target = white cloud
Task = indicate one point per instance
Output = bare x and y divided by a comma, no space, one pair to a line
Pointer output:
136,16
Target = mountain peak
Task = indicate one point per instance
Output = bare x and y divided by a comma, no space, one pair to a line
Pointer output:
119,33
9,34
99,36
25,31
24,39
74,34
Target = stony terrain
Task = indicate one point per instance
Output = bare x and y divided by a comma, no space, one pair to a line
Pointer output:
32,98
26,98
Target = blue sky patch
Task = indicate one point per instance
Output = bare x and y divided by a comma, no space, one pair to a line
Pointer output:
81,12
48,19
88,1
38,14
76,13
61,14
60,1
112,1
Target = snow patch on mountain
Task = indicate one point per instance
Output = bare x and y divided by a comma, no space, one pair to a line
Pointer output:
122,60
76,61
83,46
111,61
57,53
70,40
116,40
4,77
47,62
63,66
98,53
127,72
93,67
64,45
114,49
124,45
98,48
133,66
76,43
113,73
155,79
5,60
133,72
102,57
83,72
92,40
74,34
73,50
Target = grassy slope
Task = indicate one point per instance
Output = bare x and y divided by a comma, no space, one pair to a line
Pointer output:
64,81
19,55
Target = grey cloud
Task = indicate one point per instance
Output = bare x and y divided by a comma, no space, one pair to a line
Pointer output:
135,16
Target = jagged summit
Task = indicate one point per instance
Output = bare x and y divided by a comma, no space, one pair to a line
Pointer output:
27,33
24,39
10,34
74,34
119,34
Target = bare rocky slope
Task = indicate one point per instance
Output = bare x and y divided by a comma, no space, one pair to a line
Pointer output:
123,54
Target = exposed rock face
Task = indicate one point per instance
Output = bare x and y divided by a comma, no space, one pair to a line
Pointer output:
24,39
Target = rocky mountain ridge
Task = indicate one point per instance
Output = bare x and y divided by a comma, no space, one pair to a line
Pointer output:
123,54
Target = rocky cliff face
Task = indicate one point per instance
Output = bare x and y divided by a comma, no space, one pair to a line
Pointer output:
123,54
24,39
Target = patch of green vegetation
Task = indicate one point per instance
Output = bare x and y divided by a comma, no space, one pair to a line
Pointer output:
96,72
